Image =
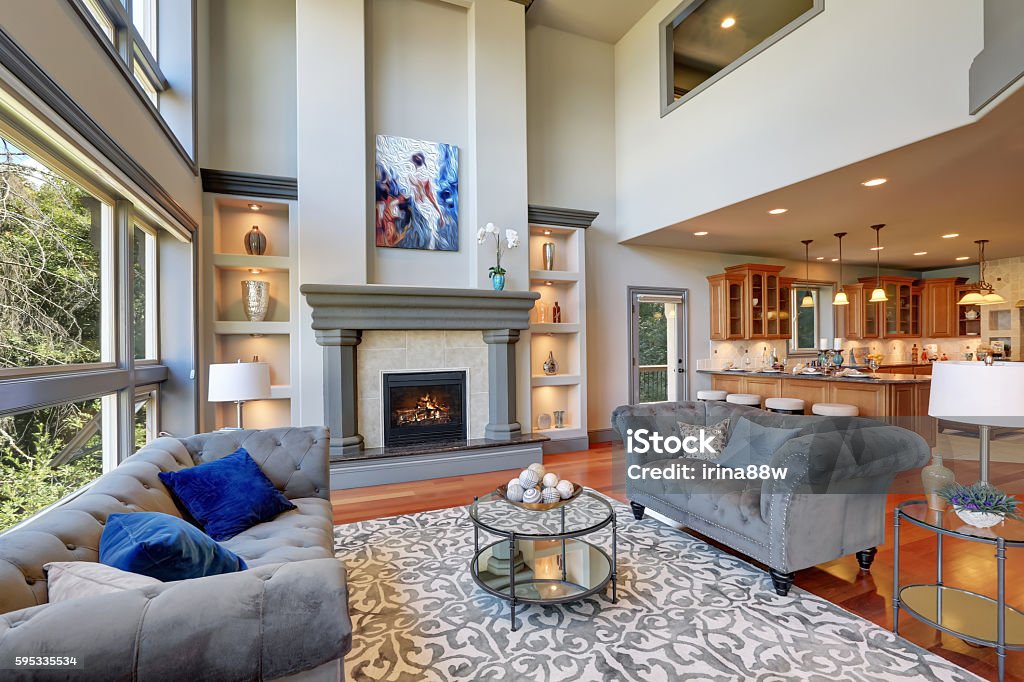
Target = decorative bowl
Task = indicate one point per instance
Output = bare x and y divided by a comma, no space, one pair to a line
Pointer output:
541,506
979,519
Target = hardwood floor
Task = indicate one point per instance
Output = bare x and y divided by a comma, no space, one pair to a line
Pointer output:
868,595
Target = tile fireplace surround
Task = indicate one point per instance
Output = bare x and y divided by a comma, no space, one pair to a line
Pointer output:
417,328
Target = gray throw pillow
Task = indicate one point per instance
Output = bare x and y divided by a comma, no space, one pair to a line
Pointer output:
751,443
75,579
718,433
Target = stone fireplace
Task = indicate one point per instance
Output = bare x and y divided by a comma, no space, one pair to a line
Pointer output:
453,349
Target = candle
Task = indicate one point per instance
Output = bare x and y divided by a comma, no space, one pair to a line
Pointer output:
823,343
837,343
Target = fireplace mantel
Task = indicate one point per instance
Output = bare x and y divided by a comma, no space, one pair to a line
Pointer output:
366,307
341,313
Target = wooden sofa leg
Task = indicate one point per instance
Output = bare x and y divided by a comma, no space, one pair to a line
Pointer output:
865,557
638,510
781,581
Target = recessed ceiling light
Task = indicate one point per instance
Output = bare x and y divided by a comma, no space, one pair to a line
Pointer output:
728,22
820,258
547,233
255,207
700,234
963,258
875,182
876,248
254,271
778,211
835,260
549,283
951,235
920,253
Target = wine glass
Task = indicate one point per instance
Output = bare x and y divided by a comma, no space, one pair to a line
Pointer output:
873,365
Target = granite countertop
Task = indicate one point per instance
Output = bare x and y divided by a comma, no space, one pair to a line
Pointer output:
876,379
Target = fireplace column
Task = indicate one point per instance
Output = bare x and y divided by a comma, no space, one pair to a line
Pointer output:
340,388
501,370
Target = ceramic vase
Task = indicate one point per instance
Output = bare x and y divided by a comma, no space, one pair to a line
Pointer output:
544,422
549,255
255,299
934,478
550,365
498,282
255,242
979,519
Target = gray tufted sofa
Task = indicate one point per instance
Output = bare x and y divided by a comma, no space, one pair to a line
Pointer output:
286,617
831,503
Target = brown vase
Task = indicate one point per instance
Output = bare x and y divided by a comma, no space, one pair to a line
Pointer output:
934,478
255,242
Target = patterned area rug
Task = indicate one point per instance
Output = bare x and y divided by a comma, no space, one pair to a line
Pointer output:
686,611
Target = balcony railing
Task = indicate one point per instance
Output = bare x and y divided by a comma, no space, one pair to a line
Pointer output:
653,383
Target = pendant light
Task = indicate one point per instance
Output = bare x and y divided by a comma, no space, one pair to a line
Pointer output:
841,297
808,300
878,295
985,293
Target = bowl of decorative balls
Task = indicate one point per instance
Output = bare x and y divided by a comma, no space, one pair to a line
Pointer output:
537,489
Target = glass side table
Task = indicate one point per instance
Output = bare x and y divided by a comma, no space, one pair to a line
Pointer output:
972,617
540,556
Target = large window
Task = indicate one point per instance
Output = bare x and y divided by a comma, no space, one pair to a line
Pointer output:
703,40
131,28
79,355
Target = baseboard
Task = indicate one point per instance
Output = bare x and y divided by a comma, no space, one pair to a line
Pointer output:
608,435
554,447
359,473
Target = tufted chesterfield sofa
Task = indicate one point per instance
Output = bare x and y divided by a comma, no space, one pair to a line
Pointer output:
830,504
286,617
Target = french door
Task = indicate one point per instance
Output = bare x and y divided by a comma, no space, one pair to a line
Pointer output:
657,344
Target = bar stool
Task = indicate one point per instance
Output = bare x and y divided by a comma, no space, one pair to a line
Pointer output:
834,410
748,399
712,395
784,405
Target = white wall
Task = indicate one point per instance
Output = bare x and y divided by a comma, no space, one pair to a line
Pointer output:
249,116
861,78
419,86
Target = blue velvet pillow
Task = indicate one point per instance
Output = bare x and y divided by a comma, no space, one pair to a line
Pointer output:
751,443
163,547
227,495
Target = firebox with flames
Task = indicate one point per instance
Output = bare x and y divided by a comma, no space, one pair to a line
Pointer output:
427,410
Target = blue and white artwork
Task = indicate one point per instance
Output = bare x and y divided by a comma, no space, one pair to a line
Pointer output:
417,194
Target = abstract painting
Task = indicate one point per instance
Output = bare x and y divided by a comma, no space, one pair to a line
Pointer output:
417,194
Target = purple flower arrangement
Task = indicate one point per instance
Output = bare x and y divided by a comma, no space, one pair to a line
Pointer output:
979,497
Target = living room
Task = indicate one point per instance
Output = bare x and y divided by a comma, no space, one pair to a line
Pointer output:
398,302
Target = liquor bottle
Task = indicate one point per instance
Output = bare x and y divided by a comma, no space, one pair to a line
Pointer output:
542,314
914,354
556,313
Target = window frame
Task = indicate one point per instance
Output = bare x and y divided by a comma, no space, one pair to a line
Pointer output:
127,49
823,293
665,29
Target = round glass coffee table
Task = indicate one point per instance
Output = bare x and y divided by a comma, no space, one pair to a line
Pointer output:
540,556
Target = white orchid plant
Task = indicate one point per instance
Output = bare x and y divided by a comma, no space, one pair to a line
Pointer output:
511,241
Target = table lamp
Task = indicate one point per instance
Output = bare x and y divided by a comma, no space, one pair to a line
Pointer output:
237,382
979,393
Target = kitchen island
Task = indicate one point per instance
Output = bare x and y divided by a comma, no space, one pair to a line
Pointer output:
881,395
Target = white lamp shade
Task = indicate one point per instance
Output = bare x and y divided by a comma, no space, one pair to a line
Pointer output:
239,381
841,299
975,393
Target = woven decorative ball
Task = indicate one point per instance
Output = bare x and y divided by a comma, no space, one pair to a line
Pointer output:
514,481
550,495
539,468
565,489
550,480
531,496
514,492
529,478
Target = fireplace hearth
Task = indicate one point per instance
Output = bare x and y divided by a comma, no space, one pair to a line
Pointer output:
424,407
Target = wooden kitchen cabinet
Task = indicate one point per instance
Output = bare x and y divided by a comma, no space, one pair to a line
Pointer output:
899,317
968,316
728,307
941,313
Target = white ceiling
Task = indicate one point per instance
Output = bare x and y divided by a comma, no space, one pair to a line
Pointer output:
968,181
604,20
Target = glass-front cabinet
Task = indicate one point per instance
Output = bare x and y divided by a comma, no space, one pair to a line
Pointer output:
899,317
728,315
751,301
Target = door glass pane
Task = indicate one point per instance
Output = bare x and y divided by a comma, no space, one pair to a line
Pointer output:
47,454
51,279
653,352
